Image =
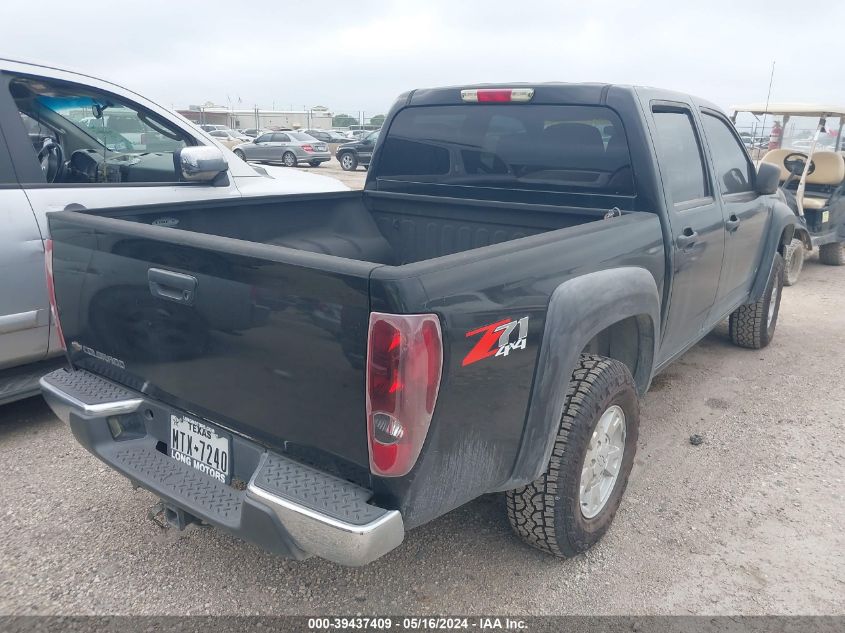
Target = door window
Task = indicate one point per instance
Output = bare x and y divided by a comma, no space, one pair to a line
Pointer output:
680,156
281,138
733,169
264,138
82,135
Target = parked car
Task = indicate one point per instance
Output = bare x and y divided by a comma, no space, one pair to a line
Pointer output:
209,127
89,143
288,148
359,152
252,132
229,138
482,317
747,139
327,136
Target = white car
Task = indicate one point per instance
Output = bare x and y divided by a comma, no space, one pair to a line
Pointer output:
229,138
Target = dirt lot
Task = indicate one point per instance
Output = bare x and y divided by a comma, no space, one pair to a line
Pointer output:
353,179
748,522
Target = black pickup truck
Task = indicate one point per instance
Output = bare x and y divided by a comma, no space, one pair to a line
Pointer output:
320,373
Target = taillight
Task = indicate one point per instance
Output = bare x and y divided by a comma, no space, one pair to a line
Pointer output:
498,95
308,148
51,290
404,363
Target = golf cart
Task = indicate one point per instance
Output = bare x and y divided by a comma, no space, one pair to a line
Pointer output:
807,144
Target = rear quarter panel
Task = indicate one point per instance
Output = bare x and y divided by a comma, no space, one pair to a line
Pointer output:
481,410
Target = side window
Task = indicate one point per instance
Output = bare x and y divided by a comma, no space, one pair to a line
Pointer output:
82,135
733,169
680,156
281,138
264,138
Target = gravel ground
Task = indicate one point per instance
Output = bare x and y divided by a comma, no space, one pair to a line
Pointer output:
748,522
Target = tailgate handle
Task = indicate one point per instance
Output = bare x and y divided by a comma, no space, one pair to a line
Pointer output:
172,286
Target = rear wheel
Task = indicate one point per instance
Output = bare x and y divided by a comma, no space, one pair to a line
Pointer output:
240,154
570,507
289,159
348,161
753,325
793,262
832,254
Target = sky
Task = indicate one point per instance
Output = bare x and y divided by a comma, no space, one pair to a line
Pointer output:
352,56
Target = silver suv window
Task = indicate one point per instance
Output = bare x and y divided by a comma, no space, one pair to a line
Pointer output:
82,135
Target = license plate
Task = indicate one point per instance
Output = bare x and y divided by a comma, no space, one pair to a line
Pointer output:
200,446
320,148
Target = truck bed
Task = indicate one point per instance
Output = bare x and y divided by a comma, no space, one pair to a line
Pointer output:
376,227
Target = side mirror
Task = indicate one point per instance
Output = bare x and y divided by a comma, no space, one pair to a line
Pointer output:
768,178
200,163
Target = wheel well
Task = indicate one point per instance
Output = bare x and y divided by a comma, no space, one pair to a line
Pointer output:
802,235
631,342
786,237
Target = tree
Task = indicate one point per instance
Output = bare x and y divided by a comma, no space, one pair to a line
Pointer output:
343,120
377,119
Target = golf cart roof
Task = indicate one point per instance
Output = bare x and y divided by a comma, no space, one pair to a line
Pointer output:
796,109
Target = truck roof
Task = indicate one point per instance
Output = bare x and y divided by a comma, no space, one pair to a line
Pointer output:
586,93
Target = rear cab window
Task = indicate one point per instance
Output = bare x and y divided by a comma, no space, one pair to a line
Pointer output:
496,148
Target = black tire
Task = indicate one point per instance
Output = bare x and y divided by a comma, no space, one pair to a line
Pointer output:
314,163
832,254
752,325
547,513
289,159
348,161
793,262
240,154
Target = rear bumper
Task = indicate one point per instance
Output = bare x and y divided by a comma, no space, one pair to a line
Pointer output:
310,157
286,507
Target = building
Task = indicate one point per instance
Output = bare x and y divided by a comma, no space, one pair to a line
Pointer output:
239,118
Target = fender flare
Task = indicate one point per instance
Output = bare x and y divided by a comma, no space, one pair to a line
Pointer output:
803,235
578,310
781,230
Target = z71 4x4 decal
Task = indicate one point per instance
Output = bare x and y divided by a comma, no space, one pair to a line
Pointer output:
496,339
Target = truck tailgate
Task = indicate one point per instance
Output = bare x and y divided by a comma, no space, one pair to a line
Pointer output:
270,341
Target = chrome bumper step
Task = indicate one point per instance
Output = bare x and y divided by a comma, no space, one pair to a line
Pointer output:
285,501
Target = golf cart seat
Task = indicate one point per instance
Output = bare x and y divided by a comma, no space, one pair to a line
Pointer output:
829,172
775,157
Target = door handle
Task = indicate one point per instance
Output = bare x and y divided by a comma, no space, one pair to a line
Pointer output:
687,238
166,284
732,223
